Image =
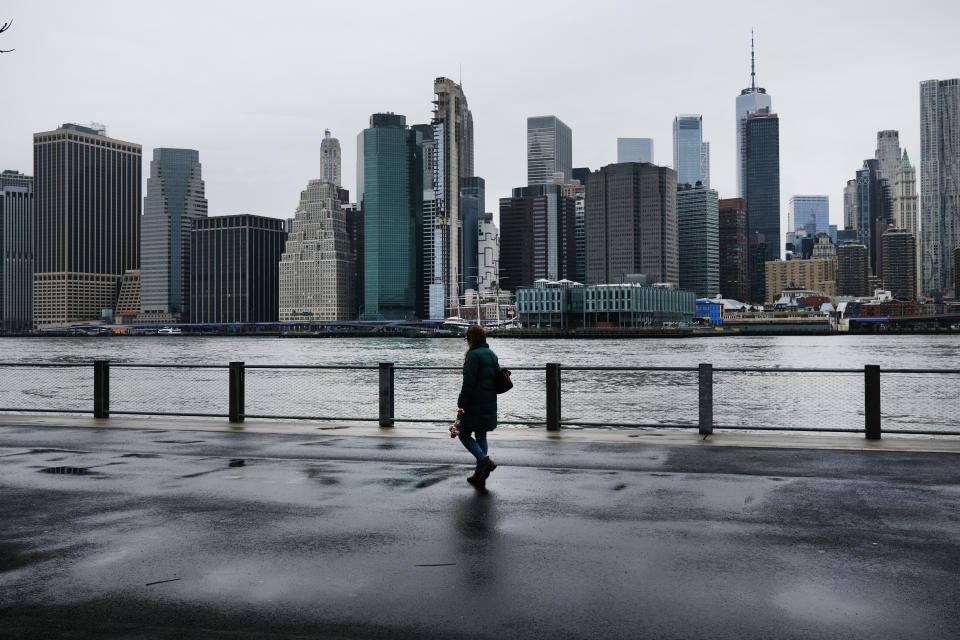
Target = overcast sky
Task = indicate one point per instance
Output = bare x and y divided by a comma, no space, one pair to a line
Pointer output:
252,85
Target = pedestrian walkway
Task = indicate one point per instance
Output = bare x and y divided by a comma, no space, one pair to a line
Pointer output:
133,528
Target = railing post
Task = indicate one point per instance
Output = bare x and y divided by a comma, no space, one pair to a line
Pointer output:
553,396
705,375
237,383
871,401
386,394
101,388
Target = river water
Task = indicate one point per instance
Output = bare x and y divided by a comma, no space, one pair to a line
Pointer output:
823,400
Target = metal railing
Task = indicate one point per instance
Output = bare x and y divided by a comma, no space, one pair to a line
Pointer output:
552,396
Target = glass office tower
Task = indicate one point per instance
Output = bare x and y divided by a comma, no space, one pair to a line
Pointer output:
691,156
390,173
549,150
175,198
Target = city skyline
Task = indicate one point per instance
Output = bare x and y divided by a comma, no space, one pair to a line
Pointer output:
251,117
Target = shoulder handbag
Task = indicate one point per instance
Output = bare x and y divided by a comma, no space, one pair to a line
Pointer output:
502,382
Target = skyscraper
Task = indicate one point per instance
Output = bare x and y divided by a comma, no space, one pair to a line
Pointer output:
761,185
16,251
549,150
899,263
634,150
852,268
389,169
850,205
810,213
175,198
452,159
473,203
631,223
874,211
86,225
317,265
235,268
734,272
753,99
330,159
538,226
691,155
894,166
939,183
698,228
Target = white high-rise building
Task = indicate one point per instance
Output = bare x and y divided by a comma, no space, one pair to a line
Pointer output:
330,161
634,150
939,183
488,254
753,99
317,268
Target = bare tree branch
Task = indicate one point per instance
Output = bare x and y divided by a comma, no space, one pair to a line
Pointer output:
6,25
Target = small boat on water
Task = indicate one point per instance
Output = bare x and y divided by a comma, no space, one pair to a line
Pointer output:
169,331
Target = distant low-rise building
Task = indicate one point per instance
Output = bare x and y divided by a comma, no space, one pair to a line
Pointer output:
711,310
818,275
569,304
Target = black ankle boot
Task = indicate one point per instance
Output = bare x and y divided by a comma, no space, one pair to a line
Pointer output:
486,466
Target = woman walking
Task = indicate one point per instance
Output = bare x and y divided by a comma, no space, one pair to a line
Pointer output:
478,402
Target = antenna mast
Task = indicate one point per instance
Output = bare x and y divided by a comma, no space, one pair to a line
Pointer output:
753,74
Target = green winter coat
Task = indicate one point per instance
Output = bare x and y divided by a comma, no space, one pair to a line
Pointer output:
478,398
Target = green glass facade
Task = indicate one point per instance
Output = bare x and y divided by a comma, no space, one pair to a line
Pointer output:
390,163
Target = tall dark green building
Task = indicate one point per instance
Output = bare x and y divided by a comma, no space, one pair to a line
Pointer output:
761,186
390,184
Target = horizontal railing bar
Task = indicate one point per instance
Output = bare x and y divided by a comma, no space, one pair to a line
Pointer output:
166,413
946,371
783,370
48,410
577,368
458,368
536,423
134,365
426,368
767,428
310,366
887,431
46,364
586,423
325,418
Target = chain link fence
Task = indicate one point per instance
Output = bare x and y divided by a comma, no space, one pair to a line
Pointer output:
792,399
629,397
175,390
343,394
920,401
59,388
429,395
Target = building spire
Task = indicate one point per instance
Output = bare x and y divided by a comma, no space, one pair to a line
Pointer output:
753,74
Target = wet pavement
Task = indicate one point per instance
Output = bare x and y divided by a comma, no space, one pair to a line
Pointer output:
137,533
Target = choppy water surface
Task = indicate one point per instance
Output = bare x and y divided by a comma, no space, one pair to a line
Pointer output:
910,401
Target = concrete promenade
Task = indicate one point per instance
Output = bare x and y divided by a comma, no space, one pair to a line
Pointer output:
335,531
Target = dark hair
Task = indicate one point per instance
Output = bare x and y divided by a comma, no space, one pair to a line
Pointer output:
476,337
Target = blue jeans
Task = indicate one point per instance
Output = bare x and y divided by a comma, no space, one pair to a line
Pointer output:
478,446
